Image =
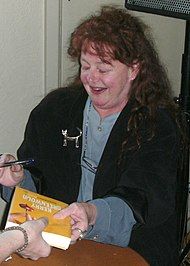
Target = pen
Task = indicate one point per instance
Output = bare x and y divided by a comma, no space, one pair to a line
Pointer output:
23,162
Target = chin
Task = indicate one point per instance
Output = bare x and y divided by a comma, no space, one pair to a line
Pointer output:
99,104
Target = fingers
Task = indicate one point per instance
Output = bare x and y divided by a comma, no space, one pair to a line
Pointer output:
39,249
74,208
6,158
79,230
29,217
2,158
42,223
37,225
79,219
75,211
44,250
78,233
12,175
13,217
16,168
64,212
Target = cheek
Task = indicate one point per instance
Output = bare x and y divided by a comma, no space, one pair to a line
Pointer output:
114,84
83,78
109,81
117,85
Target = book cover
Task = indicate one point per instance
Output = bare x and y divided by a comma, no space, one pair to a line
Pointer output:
27,205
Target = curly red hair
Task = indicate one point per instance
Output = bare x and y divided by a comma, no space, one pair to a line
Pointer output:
115,33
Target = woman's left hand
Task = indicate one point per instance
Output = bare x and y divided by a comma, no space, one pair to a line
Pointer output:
82,215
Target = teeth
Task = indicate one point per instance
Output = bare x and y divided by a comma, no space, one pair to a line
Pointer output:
97,89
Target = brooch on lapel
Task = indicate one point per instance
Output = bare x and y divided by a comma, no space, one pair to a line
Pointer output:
66,137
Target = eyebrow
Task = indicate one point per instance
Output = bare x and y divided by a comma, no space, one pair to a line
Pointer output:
99,63
84,60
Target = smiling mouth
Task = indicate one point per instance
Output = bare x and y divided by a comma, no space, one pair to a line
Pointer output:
97,89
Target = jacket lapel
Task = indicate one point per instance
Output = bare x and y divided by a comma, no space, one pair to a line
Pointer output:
75,122
108,173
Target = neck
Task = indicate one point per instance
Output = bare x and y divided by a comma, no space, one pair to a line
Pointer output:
109,111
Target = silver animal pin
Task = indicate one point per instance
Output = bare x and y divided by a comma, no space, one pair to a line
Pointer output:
70,138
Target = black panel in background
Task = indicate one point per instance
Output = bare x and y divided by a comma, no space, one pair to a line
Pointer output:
178,9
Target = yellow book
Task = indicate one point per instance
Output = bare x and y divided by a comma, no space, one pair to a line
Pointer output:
26,204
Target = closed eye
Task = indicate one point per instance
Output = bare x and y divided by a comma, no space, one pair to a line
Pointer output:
104,71
85,68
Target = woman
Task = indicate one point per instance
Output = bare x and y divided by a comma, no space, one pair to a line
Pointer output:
108,144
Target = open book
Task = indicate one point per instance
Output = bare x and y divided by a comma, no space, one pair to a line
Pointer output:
30,205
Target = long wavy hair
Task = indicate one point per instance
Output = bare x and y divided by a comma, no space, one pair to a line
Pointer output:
114,32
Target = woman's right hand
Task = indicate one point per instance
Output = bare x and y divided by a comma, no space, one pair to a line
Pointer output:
12,175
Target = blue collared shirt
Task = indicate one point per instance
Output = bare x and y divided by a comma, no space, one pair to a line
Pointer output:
115,218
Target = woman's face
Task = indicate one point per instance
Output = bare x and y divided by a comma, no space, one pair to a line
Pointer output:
107,84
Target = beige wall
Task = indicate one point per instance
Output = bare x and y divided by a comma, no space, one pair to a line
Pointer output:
21,73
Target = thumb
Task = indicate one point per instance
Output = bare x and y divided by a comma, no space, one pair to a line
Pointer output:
42,222
61,214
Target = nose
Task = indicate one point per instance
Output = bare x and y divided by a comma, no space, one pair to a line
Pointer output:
93,76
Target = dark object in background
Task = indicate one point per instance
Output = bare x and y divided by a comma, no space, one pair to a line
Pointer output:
170,8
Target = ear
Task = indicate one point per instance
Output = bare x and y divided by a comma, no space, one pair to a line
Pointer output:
134,70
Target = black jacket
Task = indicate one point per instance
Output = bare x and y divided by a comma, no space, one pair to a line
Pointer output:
146,180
